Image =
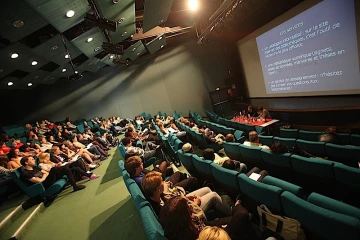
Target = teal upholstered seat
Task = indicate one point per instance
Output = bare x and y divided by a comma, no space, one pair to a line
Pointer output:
251,156
289,133
286,186
226,178
232,150
314,148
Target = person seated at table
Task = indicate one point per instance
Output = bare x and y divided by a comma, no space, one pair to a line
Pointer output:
263,113
34,174
254,140
229,138
251,111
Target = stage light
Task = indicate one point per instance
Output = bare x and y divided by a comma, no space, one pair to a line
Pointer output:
29,84
64,70
34,63
70,13
67,56
10,83
14,55
193,4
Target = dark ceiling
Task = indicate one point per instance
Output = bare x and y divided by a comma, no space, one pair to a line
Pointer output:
41,34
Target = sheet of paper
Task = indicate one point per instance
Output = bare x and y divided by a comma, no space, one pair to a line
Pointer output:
255,176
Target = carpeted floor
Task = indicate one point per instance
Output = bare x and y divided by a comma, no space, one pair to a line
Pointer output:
104,210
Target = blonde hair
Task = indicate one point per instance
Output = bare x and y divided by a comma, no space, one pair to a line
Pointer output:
213,233
44,158
151,182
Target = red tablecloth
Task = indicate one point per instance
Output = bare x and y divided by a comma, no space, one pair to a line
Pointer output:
251,123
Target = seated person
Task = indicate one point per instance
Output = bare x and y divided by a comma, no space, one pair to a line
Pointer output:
45,145
281,148
213,233
29,151
229,138
255,141
146,154
5,149
15,159
209,154
157,192
34,174
66,134
236,226
135,168
251,111
187,148
69,124
263,113
95,149
84,153
330,136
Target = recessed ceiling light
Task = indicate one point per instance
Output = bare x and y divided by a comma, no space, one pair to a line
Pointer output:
97,49
29,84
54,47
10,83
123,34
63,70
116,1
134,49
112,56
34,63
76,72
160,37
14,55
161,46
121,20
89,39
18,24
70,13
67,56
138,54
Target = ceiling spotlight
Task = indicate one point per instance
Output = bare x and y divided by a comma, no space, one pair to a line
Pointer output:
193,4
67,56
161,46
29,84
217,89
14,55
63,70
160,37
54,47
89,39
10,83
112,56
116,1
70,13
138,54
34,63
123,34
97,49
76,72
134,49
18,24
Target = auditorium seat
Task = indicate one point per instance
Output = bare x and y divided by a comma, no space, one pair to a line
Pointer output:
261,193
285,186
226,179
202,167
347,183
187,162
239,136
345,138
334,205
309,135
266,140
289,142
278,165
121,166
136,195
289,133
314,175
320,223
152,227
315,148
232,150
348,155
355,139
251,156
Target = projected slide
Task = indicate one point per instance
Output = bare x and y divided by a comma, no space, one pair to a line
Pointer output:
314,51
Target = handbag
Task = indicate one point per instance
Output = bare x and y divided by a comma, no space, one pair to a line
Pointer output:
287,228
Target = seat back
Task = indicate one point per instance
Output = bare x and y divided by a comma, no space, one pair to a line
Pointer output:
348,155
151,225
122,150
32,190
289,142
232,150
226,178
355,139
309,135
261,193
239,136
278,165
345,138
318,222
251,156
286,186
289,133
202,167
315,148
314,175
187,162
137,194
347,183
121,166
266,140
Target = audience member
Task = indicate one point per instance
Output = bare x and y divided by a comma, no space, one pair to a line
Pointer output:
209,154
230,138
213,233
187,148
254,140
330,136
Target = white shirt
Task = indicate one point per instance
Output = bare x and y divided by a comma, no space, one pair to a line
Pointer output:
250,144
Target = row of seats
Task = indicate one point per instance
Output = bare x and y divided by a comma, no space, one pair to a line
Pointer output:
346,138
239,135
346,154
327,177
283,198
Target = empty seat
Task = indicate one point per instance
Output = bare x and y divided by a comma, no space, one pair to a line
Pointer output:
348,155
187,162
286,186
239,136
355,139
232,150
226,179
320,223
202,167
251,156
261,193
345,138
278,165
266,140
309,135
289,142
315,148
347,183
314,175
289,133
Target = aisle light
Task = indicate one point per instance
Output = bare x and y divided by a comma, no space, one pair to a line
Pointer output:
193,4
